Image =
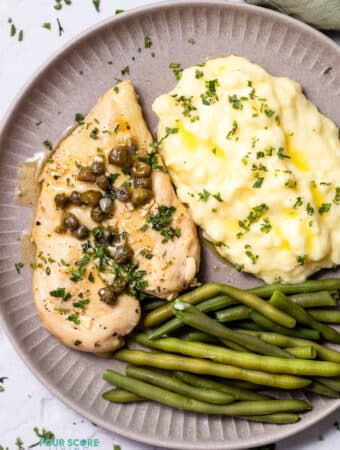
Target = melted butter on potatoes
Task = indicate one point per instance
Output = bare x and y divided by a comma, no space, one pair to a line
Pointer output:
257,164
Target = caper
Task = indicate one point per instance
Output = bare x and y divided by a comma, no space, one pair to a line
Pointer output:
70,221
75,198
107,295
123,194
105,204
91,197
103,182
140,196
132,149
97,214
61,200
142,183
86,174
119,285
121,157
97,167
123,253
81,232
141,170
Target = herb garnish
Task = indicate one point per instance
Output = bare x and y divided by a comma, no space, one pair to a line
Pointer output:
236,102
119,11
94,133
168,131
176,69
46,25
324,208
96,4
281,153
161,221
301,259
147,42
48,144
146,254
210,95
254,216
336,198
125,70
74,318
77,342
18,266
199,73
60,293
186,104
253,258
81,303
233,130
258,183
60,28
79,118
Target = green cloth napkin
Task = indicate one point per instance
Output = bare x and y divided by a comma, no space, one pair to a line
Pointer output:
322,14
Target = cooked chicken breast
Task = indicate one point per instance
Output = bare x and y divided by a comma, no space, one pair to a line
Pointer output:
71,267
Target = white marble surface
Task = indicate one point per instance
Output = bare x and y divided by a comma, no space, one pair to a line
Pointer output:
25,403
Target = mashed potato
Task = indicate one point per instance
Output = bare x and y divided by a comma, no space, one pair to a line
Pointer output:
258,166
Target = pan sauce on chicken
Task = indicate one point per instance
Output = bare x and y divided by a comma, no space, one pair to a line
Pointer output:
108,226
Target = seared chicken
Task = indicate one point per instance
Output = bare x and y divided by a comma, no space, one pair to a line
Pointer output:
69,275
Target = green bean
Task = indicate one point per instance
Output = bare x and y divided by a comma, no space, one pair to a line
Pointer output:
196,336
201,366
322,352
249,325
266,324
302,352
315,299
175,385
322,389
279,419
239,312
183,403
243,360
245,385
284,303
325,315
211,289
121,396
332,383
308,300
329,284
150,306
213,304
163,313
240,393
190,315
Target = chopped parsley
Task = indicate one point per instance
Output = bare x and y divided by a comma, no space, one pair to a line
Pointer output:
146,254
301,259
298,202
48,144
309,209
60,293
74,318
161,221
239,267
18,266
253,258
233,130
258,183
46,25
125,70
254,216
168,131
324,208
78,274
96,4
218,197
265,226
204,195
336,198
81,303
210,95
236,102
187,106
147,42
176,69
199,73
94,133
79,118
77,342
119,11
326,71
281,153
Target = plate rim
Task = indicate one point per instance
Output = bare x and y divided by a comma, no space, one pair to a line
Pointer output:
6,121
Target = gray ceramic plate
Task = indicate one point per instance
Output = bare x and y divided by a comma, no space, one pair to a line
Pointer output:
71,82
